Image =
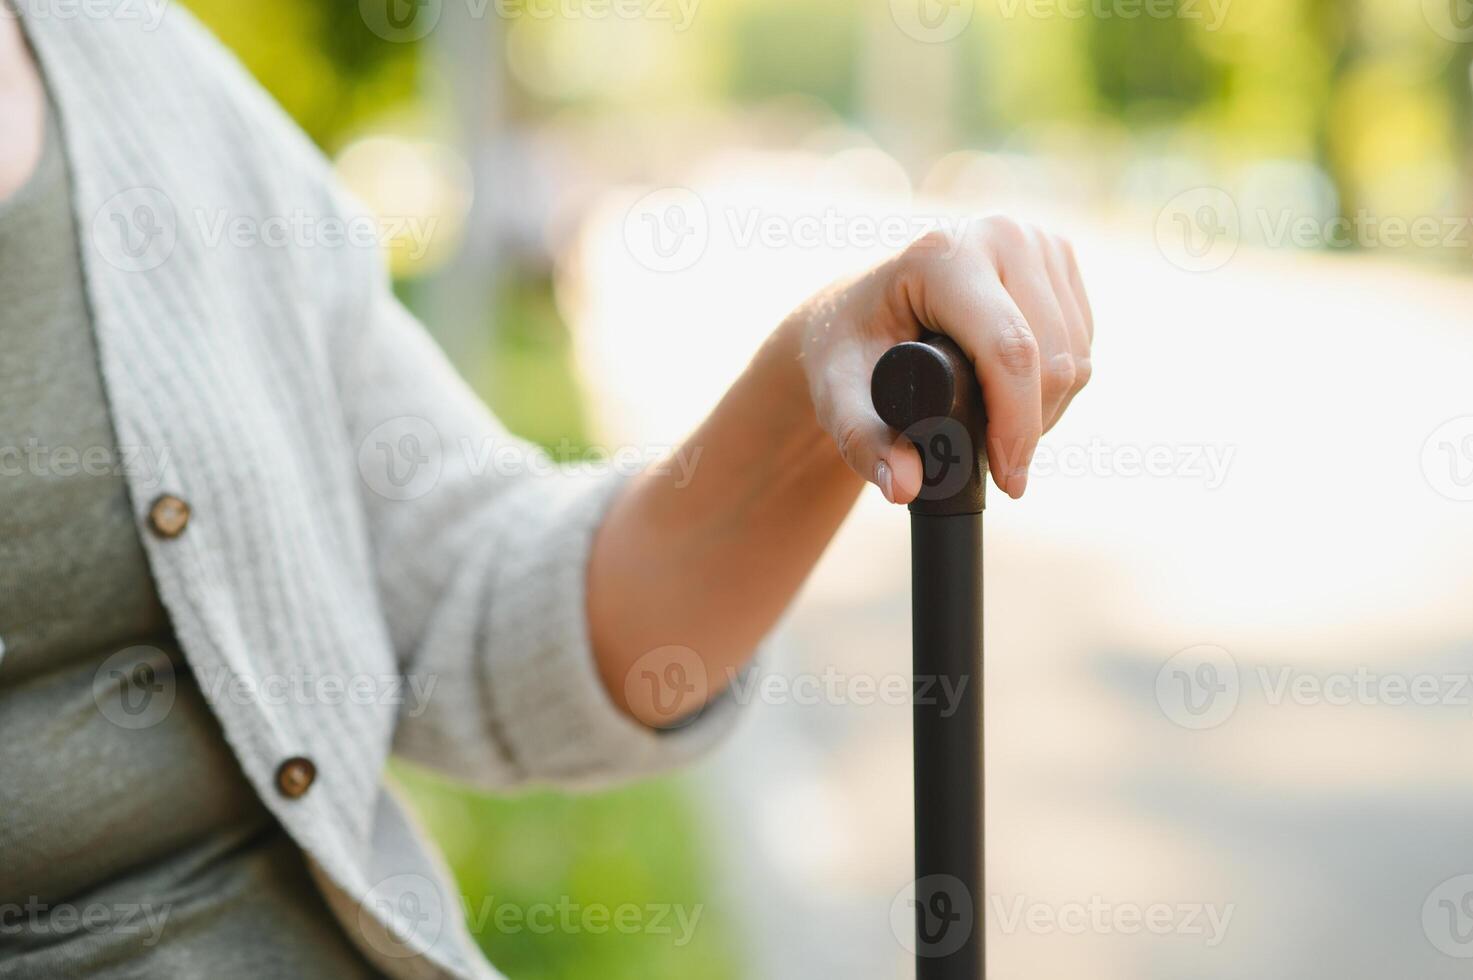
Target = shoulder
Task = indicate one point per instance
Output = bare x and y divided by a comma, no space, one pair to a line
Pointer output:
151,98
152,66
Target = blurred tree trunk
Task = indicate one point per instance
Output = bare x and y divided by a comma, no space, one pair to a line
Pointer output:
1337,25
1458,77
1150,70
464,51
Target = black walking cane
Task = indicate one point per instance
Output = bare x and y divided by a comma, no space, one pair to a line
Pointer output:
927,390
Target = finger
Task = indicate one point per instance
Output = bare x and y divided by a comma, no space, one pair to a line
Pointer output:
870,447
1025,274
1057,260
1084,366
1076,282
977,311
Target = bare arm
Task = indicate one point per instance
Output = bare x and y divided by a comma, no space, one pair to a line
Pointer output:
22,108
694,575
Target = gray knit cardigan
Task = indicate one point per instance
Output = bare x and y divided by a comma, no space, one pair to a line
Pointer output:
357,516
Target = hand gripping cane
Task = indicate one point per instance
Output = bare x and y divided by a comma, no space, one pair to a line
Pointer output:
928,391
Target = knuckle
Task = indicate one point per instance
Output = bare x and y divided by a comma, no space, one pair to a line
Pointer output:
933,245
1082,372
1060,376
1005,231
1017,349
849,437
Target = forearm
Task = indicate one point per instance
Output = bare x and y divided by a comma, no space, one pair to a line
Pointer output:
707,560
710,565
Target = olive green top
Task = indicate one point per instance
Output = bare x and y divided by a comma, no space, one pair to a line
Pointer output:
130,842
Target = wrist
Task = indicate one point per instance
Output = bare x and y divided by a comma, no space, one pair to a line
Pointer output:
797,437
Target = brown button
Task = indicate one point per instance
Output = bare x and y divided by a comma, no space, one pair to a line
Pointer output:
168,516
295,777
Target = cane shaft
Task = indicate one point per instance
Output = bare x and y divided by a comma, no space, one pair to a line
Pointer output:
946,616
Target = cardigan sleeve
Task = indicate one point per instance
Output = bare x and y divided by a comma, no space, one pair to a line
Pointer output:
481,548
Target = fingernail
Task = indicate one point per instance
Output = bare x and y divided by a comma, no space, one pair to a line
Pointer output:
1017,482
883,481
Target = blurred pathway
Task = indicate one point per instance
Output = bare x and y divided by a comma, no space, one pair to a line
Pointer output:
1262,470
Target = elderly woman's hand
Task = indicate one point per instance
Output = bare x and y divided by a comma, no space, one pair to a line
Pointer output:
706,565
1009,294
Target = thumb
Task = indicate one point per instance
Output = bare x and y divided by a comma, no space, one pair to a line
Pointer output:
875,451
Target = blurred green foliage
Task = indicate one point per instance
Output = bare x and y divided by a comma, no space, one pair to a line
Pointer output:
1150,69
1368,90
316,58
627,848
528,380
812,48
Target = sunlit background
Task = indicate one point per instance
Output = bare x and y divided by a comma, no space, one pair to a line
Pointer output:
1230,630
